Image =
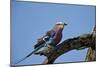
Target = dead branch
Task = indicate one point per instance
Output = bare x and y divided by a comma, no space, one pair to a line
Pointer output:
80,42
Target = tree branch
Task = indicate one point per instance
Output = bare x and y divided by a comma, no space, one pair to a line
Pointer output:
80,42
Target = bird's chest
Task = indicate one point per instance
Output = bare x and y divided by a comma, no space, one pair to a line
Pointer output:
59,36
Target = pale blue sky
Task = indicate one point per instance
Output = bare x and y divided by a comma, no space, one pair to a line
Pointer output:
31,20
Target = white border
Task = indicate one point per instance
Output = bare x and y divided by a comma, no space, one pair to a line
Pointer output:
85,2
4,33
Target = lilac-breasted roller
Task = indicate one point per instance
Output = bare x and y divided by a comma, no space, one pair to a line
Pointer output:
50,39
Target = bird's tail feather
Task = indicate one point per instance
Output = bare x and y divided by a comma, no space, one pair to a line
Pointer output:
33,52
25,57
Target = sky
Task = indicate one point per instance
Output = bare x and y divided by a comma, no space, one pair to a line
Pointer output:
30,21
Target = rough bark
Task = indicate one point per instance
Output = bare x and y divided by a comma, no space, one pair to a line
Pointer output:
78,43
91,53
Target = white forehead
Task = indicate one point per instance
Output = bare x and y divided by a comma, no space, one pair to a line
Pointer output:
59,23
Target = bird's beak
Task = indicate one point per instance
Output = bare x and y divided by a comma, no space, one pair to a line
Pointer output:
65,24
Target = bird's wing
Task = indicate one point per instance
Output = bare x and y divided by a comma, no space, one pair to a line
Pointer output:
47,36
40,41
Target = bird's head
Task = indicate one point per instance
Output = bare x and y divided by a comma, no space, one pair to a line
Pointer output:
61,24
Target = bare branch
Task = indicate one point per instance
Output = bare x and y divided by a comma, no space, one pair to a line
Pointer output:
80,42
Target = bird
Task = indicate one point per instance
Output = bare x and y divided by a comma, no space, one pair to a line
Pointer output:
51,38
